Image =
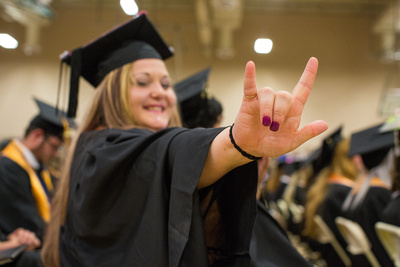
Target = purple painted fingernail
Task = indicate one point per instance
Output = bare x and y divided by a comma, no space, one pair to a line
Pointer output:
274,126
266,121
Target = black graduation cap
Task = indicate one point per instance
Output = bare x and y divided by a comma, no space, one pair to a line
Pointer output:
372,144
370,140
327,150
192,86
133,40
289,164
198,107
51,120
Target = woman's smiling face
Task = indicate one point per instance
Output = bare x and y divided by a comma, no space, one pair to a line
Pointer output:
152,96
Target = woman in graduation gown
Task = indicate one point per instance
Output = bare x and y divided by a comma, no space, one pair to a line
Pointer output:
327,194
130,193
371,194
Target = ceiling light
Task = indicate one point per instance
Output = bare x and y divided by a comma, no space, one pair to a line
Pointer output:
8,41
129,6
263,46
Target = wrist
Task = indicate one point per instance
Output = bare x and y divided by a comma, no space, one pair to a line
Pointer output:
240,150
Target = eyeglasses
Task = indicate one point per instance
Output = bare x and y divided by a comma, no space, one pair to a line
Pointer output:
54,145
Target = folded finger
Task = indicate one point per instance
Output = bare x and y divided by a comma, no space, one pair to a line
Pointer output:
282,105
266,98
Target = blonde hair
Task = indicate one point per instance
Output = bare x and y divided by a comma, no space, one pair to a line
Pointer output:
341,165
111,108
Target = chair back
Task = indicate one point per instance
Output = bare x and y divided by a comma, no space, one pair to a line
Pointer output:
327,236
389,235
357,240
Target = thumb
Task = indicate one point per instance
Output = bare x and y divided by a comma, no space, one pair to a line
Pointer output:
309,131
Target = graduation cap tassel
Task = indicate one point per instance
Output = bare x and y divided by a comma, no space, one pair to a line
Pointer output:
76,67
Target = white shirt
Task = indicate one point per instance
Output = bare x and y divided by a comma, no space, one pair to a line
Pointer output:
28,155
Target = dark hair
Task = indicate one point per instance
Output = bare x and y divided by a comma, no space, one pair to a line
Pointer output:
202,113
374,158
49,128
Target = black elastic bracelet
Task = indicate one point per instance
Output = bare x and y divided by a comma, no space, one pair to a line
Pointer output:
247,155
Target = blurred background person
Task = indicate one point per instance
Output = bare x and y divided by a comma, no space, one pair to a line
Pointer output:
198,107
26,185
326,196
373,154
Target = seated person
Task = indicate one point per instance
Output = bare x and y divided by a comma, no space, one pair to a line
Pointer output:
26,185
371,194
327,195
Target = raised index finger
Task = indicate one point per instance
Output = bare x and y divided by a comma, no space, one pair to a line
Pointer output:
303,87
250,85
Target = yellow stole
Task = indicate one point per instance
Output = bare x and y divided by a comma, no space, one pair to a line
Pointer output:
13,152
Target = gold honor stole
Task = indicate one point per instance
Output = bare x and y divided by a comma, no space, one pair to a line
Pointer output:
13,152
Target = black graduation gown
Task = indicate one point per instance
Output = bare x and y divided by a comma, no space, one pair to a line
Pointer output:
329,209
17,204
133,201
391,214
366,215
270,246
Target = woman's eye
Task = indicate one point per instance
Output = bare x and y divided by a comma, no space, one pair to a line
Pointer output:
142,84
166,85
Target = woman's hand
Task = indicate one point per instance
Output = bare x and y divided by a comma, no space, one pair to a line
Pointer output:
267,123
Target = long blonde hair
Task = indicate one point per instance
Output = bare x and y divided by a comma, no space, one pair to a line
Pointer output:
341,165
111,108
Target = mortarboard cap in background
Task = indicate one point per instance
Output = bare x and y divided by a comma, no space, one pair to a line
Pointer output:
133,40
51,120
192,86
290,164
198,108
372,145
370,140
327,150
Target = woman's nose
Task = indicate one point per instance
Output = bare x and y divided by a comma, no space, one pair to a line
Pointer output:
157,90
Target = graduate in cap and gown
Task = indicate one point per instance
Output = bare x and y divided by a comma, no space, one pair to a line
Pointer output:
198,107
365,202
26,185
337,173
130,194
